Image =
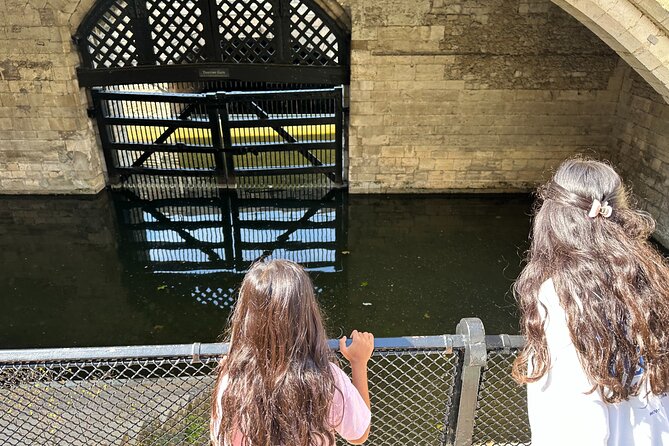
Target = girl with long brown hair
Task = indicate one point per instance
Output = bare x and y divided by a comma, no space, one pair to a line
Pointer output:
279,385
594,300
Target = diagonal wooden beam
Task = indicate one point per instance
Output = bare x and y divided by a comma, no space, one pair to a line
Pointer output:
261,114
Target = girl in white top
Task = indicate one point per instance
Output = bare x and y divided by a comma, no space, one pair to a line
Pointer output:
594,298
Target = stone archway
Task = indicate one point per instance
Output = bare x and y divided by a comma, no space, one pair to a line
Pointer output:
635,29
336,11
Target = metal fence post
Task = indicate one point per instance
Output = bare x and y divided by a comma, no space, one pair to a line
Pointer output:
467,382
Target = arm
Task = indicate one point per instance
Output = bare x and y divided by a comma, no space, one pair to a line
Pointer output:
358,354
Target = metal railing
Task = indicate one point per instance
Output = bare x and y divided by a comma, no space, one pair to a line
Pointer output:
429,390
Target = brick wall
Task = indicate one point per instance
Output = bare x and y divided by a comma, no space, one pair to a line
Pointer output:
47,143
473,95
641,148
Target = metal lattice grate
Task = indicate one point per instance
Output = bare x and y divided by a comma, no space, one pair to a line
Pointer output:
251,139
411,397
501,415
176,31
111,42
141,402
160,395
247,31
312,41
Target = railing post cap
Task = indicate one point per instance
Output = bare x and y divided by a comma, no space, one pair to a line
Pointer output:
472,329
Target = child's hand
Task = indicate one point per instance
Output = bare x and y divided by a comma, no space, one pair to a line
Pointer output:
360,350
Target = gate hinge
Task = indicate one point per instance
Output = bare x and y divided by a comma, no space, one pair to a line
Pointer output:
90,111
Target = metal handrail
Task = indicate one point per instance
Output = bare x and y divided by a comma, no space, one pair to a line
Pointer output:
445,342
458,378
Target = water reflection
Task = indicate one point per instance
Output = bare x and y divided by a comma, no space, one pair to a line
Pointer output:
153,265
200,247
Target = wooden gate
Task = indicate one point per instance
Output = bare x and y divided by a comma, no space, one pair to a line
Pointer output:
243,138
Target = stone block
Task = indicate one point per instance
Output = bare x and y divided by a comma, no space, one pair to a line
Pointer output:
429,72
404,33
6,124
376,140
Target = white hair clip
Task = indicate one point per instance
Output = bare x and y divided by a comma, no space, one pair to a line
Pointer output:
600,209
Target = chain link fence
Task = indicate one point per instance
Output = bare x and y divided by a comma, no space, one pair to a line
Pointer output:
501,415
160,395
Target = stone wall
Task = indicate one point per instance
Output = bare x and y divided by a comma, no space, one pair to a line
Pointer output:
641,148
446,95
47,143
473,95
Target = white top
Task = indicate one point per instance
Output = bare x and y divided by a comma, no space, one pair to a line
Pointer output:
562,413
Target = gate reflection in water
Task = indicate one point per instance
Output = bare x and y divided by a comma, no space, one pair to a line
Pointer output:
156,263
201,247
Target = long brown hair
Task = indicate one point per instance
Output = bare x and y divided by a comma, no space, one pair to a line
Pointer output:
612,283
279,382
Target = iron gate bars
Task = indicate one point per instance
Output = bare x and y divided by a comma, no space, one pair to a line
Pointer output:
237,136
422,393
131,41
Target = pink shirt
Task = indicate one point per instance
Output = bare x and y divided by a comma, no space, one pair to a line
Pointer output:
347,404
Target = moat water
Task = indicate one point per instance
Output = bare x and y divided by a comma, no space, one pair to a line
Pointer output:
130,268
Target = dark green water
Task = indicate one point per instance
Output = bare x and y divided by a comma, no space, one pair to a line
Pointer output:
116,269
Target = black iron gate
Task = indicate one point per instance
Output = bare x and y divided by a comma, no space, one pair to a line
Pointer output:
242,138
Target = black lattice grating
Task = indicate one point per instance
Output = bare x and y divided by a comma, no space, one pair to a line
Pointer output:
156,187
126,33
111,42
246,29
176,31
501,415
312,42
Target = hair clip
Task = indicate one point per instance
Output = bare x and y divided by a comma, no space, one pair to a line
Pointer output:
600,209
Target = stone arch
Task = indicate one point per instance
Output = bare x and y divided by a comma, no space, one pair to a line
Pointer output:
81,9
635,29
336,11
